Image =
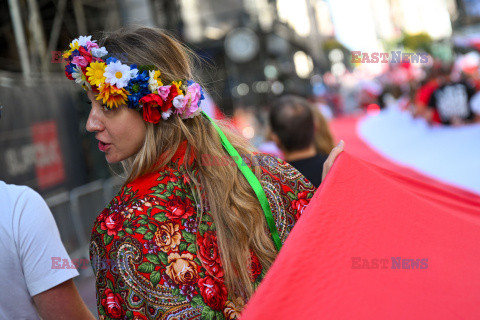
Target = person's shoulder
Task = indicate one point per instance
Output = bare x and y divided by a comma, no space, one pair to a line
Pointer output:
267,161
14,195
13,189
279,169
321,157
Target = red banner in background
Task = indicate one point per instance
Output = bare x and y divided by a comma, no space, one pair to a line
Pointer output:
48,157
374,244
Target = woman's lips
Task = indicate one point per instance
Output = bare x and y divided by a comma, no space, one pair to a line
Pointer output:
103,146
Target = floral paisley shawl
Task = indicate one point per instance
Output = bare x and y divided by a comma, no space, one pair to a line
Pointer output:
151,259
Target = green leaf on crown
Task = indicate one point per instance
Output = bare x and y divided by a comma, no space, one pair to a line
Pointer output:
146,68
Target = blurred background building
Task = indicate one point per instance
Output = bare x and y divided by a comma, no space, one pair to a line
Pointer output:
253,50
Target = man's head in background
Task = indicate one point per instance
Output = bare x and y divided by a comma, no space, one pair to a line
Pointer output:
292,124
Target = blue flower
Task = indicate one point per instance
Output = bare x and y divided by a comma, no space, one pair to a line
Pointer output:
69,68
111,59
137,87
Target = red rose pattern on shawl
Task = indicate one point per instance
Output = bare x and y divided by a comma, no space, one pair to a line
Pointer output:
153,260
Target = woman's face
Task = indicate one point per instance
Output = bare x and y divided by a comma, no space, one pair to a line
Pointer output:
120,131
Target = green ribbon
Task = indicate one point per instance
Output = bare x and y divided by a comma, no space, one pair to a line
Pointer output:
252,180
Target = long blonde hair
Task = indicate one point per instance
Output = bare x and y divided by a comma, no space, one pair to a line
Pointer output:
323,136
239,219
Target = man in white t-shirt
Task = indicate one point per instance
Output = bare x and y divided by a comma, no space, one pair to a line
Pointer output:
30,287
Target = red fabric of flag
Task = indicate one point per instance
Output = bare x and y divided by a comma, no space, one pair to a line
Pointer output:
374,244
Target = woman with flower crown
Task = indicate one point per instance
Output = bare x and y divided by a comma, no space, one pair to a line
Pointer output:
195,227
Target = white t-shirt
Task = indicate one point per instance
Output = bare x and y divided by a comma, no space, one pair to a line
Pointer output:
29,239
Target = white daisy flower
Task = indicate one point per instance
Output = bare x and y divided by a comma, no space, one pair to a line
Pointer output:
99,52
117,74
82,40
166,114
80,78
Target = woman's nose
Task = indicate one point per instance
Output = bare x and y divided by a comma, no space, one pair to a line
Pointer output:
94,121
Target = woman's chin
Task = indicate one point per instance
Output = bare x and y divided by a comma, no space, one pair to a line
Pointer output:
112,159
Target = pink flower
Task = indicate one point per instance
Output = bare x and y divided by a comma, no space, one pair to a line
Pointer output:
192,99
80,61
163,92
91,45
195,93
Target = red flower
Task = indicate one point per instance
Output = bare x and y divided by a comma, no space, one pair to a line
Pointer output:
112,304
213,291
68,74
209,254
84,53
300,204
151,110
179,209
256,267
102,215
171,95
113,223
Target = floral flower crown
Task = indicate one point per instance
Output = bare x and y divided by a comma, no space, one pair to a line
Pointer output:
116,83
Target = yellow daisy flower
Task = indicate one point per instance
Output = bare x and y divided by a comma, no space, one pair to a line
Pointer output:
112,96
73,46
95,73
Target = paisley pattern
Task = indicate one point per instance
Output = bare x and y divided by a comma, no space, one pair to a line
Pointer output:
153,260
